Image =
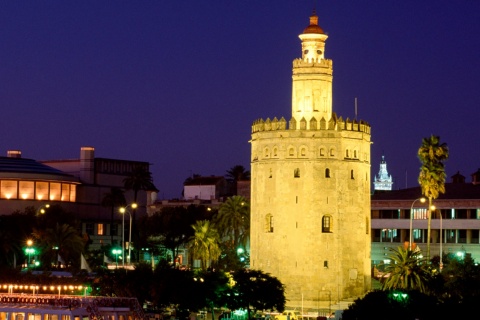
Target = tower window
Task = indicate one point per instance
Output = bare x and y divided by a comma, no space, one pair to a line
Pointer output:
303,152
322,152
346,153
332,152
266,153
327,173
351,175
327,224
296,173
269,223
291,152
355,154
275,150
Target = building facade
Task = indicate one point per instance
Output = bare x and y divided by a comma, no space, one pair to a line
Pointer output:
455,226
310,189
77,185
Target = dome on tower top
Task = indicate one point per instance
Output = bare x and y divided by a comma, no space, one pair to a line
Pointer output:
313,27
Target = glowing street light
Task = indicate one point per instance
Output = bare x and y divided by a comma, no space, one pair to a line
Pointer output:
124,210
422,200
42,209
29,250
116,252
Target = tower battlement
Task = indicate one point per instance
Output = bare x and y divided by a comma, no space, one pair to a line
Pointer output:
337,124
319,62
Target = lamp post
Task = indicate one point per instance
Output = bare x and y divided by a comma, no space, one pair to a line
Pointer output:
116,252
422,200
29,251
124,210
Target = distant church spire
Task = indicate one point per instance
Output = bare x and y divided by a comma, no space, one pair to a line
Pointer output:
383,181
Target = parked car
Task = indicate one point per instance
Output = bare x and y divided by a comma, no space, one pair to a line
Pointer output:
289,315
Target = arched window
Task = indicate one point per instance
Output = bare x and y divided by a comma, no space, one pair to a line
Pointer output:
303,152
327,173
291,152
269,223
322,152
296,173
327,224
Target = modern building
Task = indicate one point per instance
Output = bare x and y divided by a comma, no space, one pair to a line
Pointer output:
383,181
78,185
455,224
310,189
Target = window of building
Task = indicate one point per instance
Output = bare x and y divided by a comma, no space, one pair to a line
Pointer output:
332,152
475,236
114,229
327,224
26,189
275,152
346,153
101,229
270,174
462,236
355,154
291,152
9,189
266,153
41,190
303,152
351,175
322,152
89,228
296,173
55,191
269,223
327,173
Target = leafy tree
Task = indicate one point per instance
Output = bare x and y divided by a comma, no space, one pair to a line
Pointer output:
205,243
394,305
432,154
113,199
14,231
255,290
63,241
407,271
233,219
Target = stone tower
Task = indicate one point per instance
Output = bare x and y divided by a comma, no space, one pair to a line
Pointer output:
383,181
310,189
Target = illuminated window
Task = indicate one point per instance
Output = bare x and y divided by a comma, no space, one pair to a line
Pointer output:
41,190
73,193
100,229
55,191
26,189
9,189
65,196
327,224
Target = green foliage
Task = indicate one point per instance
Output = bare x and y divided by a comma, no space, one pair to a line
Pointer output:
406,271
205,243
233,219
393,305
255,290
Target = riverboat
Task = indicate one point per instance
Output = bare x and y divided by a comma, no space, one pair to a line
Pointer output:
68,307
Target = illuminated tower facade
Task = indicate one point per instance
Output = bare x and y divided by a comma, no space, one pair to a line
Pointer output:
310,189
383,181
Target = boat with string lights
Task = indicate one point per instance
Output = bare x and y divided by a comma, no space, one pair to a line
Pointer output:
32,306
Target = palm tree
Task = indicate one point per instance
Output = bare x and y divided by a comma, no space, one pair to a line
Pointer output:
205,243
114,198
235,174
233,219
60,242
138,179
407,271
432,155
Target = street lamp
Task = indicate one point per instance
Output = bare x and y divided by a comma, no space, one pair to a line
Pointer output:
116,252
29,251
441,240
41,209
422,200
124,210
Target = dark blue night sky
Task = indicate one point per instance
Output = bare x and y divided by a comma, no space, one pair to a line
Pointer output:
179,83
